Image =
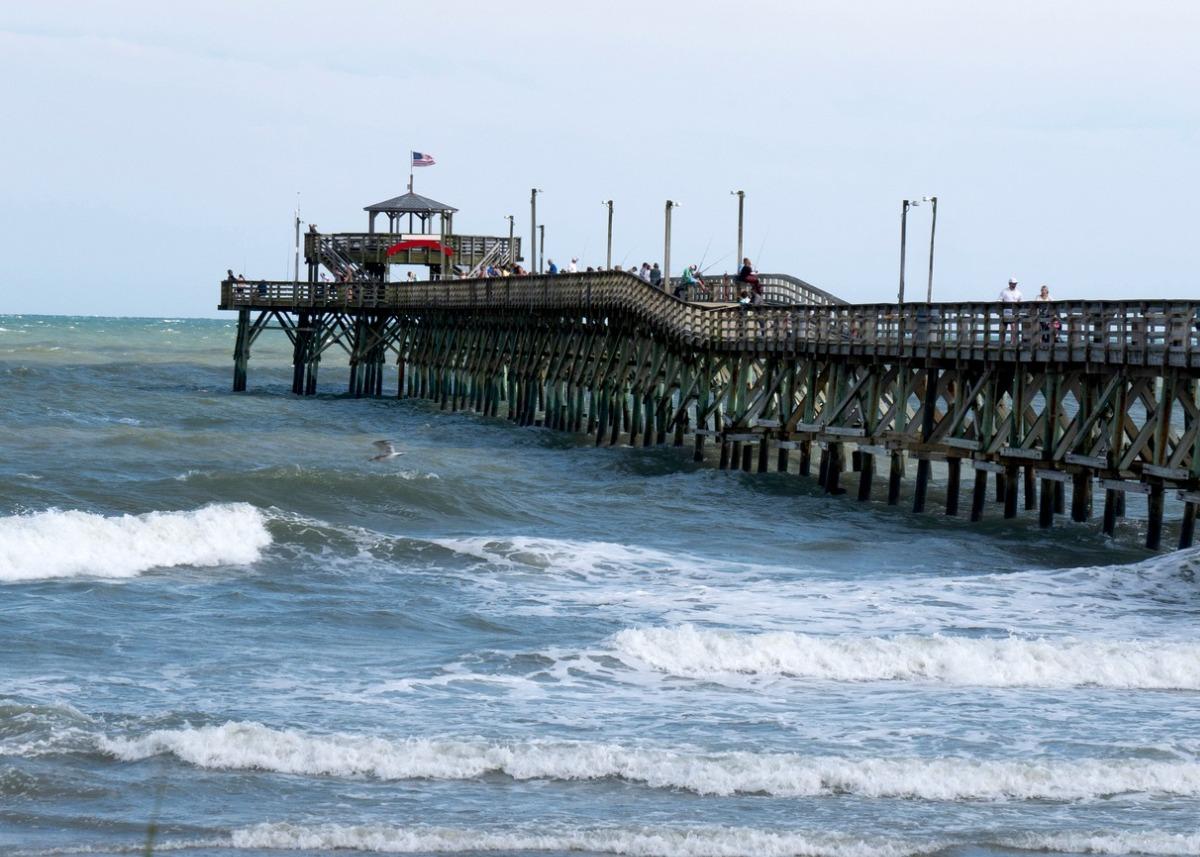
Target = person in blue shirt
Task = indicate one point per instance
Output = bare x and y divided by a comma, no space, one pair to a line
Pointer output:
551,268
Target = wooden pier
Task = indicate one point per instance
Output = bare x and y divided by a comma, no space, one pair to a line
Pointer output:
1104,401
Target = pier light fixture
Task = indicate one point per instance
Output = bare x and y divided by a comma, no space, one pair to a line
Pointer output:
932,200
914,203
933,227
671,204
608,258
512,253
741,195
533,230
541,248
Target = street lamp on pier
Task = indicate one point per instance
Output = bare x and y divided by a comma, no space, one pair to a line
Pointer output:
667,245
608,259
541,248
533,229
512,254
905,206
741,195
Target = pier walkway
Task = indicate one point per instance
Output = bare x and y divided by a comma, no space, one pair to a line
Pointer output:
1054,397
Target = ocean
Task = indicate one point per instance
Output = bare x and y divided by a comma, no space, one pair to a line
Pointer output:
221,622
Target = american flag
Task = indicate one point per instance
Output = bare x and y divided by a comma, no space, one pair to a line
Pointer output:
422,159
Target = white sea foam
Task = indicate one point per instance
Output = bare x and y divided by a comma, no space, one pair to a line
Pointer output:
1122,842
638,841
680,587
252,746
992,662
55,543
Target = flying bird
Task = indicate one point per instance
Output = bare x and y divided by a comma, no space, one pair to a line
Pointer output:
386,450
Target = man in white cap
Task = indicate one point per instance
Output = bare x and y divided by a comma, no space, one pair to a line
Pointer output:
1008,297
573,268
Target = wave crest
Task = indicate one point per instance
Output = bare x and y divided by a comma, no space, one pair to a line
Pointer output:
643,842
254,746
1009,662
55,544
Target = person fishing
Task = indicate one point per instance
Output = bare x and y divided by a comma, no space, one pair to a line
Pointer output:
748,280
688,282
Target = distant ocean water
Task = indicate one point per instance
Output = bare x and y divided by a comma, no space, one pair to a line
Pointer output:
507,641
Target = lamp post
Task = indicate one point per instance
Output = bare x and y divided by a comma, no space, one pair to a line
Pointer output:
904,206
608,259
667,246
741,195
932,228
512,255
533,230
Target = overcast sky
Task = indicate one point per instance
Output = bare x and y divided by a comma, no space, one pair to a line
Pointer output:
149,146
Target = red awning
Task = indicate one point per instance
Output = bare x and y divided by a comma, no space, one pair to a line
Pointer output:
420,244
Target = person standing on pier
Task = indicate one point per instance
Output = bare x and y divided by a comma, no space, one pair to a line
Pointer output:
1009,297
551,268
1048,320
656,276
573,268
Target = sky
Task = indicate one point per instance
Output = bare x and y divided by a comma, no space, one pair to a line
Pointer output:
148,146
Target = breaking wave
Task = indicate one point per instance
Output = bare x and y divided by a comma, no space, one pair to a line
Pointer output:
242,746
55,544
643,841
1006,662
686,841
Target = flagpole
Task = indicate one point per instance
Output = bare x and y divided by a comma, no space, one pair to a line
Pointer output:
410,171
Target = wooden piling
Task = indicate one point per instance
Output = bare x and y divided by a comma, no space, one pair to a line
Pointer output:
979,494
241,351
1010,491
866,475
1081,496
1154,516
895,474
1187,527
953,484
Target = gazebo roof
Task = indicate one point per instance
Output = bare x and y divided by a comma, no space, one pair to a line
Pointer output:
412,203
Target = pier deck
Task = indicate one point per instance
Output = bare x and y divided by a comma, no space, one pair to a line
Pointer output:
1078,394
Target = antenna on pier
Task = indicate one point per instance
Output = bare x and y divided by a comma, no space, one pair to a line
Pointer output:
296,264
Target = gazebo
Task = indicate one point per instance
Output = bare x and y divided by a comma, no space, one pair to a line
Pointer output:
416,206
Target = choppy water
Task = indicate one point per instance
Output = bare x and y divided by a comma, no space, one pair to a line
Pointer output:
508,641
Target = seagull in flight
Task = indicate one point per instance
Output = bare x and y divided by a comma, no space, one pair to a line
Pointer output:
386,450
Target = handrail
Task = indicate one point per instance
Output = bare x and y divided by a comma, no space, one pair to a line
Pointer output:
1139,333
777,289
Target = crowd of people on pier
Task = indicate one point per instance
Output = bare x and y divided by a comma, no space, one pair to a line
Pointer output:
745,287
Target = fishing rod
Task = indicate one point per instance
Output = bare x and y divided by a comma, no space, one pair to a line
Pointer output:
706,249
714,264
761,245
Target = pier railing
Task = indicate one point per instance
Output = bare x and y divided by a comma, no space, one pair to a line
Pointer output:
778,289
1138,333
373,246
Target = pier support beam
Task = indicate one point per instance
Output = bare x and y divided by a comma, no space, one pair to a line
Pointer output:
1112,500
1010,491
833,469
866,475
921,488
241,351
979,494
895,474
1154,516
953,485
805,458
1046,508
1081,496
1187,527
